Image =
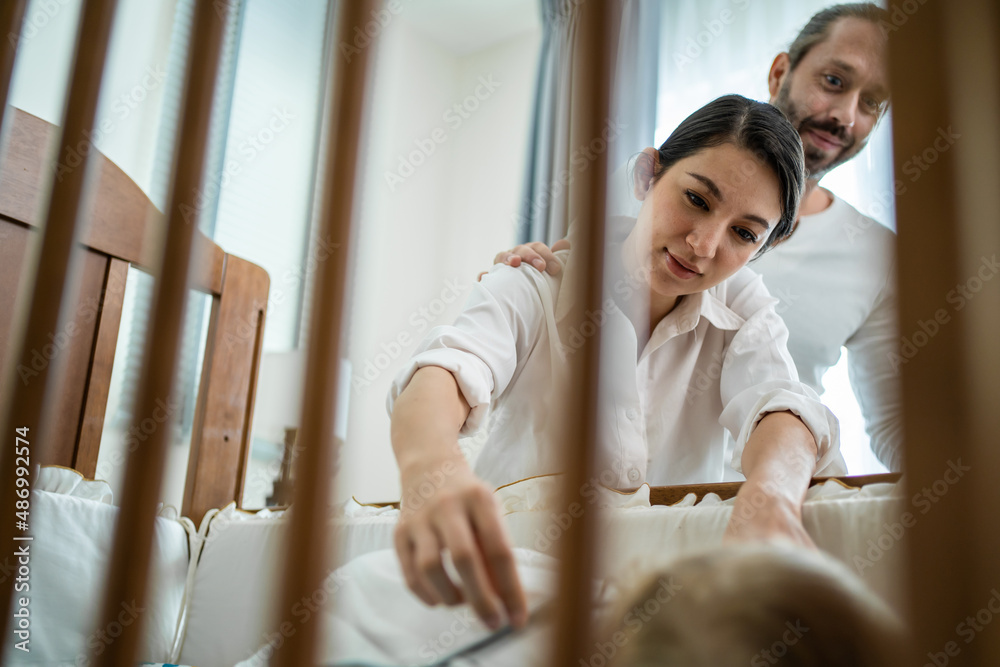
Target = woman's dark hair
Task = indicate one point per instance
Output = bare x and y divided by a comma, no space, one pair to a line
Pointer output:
755,126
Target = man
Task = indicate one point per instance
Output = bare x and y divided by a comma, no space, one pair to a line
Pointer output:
834,275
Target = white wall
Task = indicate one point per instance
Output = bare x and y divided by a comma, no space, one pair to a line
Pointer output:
421,243
132,89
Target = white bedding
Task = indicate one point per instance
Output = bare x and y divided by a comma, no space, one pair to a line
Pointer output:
236,579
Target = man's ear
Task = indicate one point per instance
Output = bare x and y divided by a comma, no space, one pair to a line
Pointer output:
643,172
779,70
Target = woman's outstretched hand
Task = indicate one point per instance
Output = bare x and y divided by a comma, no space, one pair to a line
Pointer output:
445,507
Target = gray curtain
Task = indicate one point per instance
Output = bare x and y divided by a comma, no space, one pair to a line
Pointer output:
543,215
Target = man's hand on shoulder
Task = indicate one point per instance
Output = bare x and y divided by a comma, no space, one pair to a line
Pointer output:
535,254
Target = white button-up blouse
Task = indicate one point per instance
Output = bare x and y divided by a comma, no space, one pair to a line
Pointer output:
717,362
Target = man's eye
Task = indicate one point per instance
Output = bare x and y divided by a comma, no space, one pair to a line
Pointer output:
696,200
746,235
835,81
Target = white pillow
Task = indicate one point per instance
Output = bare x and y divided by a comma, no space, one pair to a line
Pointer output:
69,557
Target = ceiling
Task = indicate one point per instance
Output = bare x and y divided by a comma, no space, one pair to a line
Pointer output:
467,26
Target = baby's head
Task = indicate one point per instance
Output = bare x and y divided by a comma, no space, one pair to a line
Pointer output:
757,605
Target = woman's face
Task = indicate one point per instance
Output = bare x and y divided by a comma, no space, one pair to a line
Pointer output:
703,220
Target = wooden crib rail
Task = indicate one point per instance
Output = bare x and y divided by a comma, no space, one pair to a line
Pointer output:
668,495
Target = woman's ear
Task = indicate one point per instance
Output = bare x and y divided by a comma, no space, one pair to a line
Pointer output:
779,69
644,171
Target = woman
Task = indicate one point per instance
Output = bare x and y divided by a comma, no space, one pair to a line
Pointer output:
692,346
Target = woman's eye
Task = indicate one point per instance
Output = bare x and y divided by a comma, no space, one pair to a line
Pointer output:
696,200
746,235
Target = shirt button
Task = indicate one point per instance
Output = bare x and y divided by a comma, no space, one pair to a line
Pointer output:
633,475
632,414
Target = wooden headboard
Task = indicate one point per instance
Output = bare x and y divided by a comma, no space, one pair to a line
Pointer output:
125,228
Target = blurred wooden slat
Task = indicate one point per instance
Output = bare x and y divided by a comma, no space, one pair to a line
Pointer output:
344,102
220,440
25,407
946,91
594,39
129,572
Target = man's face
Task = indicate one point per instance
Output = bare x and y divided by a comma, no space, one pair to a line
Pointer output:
836,94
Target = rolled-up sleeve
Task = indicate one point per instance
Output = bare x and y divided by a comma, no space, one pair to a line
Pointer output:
759,377
498,324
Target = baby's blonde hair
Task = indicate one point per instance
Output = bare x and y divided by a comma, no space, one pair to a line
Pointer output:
756,605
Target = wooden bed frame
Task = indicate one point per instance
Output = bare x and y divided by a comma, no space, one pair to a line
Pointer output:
124,230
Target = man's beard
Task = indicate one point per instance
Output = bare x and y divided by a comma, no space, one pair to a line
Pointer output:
815,159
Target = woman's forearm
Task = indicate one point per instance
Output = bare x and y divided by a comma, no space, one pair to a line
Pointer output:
779,459
426,420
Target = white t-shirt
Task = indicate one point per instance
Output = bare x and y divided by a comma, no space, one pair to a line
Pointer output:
717,362
835,278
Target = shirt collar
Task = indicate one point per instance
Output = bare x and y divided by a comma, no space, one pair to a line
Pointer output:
688,313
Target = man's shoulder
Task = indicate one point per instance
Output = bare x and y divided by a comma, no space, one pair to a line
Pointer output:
857,225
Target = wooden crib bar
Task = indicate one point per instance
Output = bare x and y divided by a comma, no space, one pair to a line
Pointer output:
345,95
130,563
29,405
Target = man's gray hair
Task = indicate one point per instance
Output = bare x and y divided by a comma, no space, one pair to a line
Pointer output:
815,31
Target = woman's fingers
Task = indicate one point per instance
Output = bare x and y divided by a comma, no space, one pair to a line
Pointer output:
431,576
545,255
460,541
406,550
561,244
499,556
